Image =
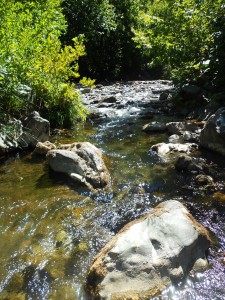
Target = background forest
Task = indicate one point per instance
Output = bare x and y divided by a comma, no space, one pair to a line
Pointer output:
47,46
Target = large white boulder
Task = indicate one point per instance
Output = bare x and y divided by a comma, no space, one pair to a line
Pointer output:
149,254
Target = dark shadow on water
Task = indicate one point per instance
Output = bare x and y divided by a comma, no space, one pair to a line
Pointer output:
51,178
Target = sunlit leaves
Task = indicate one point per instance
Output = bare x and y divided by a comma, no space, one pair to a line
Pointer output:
31,54
179,34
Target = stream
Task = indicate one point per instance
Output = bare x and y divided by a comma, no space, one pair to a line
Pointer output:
52,227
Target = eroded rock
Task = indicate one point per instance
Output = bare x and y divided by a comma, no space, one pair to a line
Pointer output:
10,132
82,162
35,129
149,254
43,148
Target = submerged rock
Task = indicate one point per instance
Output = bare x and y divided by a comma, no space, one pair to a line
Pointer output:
213,134
203,179
189,164
154,127
82,162
149,254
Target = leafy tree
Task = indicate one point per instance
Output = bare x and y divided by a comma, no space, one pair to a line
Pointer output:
34,68
180,35
108,36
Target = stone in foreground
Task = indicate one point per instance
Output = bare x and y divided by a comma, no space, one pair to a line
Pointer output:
81,161
149,254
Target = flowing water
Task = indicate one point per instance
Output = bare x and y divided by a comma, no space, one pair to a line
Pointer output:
51,227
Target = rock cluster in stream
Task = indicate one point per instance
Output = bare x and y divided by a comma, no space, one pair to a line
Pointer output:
128,99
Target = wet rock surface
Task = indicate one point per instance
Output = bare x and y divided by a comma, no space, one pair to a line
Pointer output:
82,162
163,149
149,254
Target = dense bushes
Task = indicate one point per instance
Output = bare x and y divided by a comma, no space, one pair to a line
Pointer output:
185,37
34,67
107,26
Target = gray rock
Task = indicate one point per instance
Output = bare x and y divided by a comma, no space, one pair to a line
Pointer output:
189,136
163,149
81,161
213,134
10,132
180,127
43,148
35,129
175,138
154,127
149,254
110,99
187,163
85,90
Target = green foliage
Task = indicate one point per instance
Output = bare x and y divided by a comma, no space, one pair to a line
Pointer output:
34,68
180,35
107,29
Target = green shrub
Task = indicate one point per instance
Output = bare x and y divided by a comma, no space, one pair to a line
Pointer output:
34,67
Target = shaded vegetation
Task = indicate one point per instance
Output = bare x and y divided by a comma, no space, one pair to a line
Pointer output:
43,42
107,26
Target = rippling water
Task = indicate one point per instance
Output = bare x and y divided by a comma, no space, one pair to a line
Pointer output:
51,228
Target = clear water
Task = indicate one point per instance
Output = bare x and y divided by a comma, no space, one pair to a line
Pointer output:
51,228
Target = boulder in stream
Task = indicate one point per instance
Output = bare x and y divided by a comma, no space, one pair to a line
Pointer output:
163,149
213,134
82,162
149,254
